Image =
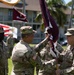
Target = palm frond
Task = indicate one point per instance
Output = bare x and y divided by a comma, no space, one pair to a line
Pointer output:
38,17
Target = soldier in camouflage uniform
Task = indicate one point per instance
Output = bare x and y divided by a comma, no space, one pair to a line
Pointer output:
24,57
67,58
10,43
46,55
3,54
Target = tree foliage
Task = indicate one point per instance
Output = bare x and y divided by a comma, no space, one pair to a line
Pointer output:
56,8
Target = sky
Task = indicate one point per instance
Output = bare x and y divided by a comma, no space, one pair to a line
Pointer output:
67,1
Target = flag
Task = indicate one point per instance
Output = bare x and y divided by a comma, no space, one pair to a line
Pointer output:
14,32
17,15
50,25
6,29
49,20
9,29
10,2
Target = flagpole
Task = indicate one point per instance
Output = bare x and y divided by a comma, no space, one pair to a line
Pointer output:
24,9
71,14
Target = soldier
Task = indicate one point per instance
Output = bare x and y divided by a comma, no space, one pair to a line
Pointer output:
57,45
10,43
24,57
67,58
3,54
46,55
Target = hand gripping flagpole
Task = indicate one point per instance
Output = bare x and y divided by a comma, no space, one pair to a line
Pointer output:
51,26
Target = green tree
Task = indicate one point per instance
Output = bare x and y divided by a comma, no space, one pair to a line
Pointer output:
56,8
69,4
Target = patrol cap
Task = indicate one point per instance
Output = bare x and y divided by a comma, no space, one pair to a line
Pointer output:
1,29
70,31
27,30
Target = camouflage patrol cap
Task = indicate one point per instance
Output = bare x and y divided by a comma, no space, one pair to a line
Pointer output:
1,29
70,31
27,30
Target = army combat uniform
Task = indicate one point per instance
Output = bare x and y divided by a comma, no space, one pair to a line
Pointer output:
10,44
46,56
25,58
67,64
3,59
22,57
3,54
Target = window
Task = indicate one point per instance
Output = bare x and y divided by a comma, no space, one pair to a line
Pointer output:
34,16
10,14
35,26
29,16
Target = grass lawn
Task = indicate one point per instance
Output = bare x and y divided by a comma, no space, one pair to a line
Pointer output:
10,62
64,47
10,66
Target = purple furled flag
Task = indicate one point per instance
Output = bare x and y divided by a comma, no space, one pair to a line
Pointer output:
49,23
17,15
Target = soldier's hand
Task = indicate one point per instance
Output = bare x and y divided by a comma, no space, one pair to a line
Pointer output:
48,36
49,43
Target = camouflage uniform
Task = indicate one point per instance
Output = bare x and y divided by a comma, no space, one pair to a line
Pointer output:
67,64
59,47
46,56
26,58
3,59
3,56
10,43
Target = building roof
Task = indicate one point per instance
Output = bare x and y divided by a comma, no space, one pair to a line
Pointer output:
32,5
68,11
2,5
